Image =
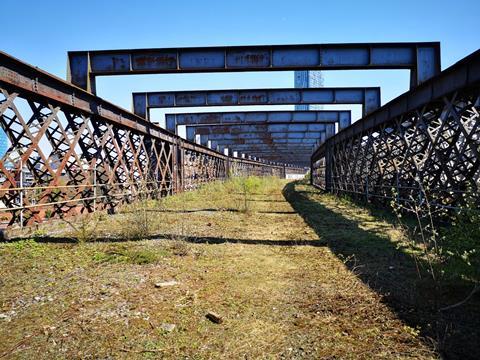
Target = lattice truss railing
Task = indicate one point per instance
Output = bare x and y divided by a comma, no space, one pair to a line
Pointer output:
200,168
319,174
64,153
239,167
70,151
432,152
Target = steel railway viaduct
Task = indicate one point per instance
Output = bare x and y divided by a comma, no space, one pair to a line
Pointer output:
70,151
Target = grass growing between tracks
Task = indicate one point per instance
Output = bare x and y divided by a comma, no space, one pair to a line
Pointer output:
263,254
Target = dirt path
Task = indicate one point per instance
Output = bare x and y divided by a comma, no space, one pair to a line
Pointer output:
280,290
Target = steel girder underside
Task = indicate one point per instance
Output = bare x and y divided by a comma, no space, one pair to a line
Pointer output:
230,129
231,135
342,117
369,98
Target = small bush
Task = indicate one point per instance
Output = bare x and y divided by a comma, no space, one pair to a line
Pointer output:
85,228
136,224
180,247
246,186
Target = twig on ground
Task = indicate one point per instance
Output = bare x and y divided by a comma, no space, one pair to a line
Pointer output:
475,289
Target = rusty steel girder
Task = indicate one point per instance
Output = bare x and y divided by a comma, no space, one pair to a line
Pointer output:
368,97
259,118
421,58
423,145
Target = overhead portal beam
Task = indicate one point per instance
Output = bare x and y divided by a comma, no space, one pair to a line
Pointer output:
368,97
301,149
282,142
343,118
265,148
265,136
421,58
303,155
304,161
255,128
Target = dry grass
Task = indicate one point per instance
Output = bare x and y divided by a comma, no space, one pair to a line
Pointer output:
281,291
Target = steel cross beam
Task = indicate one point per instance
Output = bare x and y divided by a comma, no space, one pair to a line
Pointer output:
368,97
268,135
264,143
256,128
343,118
283,142
280,158
264,147
259,146
303,153
286,158
281,155
248,145
421,58
278,140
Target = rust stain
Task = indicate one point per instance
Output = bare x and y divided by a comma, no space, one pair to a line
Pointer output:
203,131
155,60
209,118
253,98
227,99
187,99
251,58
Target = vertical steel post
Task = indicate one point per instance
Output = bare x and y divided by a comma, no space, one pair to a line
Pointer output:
174,182
397,189
328,169
181,164
366,189
21,193
227,168
311,171
95,187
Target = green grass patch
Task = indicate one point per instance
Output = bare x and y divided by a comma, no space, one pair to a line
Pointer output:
28,247
122,254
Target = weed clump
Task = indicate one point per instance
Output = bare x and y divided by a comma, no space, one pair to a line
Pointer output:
136,224
84,228
127,255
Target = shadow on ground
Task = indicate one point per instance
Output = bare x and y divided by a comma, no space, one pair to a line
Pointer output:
186,211
172,237
393,274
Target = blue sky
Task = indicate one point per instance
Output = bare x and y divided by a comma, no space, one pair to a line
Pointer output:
41,33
